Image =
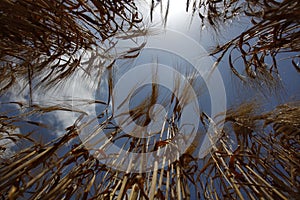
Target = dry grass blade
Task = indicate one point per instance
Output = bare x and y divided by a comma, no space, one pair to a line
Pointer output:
255,156
52,36
275,29
257,167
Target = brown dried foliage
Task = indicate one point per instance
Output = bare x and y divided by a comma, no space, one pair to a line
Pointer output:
274,30
47,38
257,155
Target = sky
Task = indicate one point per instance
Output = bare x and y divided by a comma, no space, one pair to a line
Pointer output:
178,21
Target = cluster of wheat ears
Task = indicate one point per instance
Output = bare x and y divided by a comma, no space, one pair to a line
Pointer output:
42,42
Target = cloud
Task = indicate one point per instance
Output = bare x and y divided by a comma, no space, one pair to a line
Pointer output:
7,145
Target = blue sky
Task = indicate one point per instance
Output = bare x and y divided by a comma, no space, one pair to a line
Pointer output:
178,20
